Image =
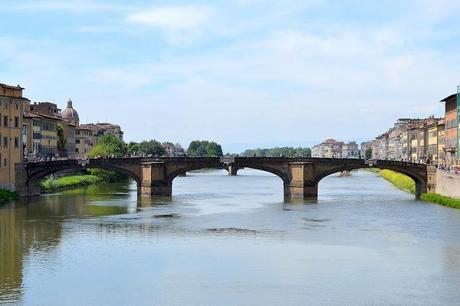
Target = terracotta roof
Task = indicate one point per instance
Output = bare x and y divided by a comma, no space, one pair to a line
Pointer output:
45,116
11,86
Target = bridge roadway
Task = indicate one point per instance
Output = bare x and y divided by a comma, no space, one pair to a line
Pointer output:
154,176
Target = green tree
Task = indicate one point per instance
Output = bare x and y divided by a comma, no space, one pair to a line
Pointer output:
61,140
368,153
278,152
152,147
109,145
204,148
133,148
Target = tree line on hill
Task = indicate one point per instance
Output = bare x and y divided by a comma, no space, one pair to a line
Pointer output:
278,152
204,148
111,146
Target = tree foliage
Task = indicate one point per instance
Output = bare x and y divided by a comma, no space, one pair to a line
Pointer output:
278,152
151,147
368,153
61,140
133,148
204,148
109,145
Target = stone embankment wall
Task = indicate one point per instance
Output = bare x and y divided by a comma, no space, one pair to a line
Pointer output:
448,184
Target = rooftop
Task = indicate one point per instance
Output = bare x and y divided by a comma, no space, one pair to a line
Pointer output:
449,98
10,86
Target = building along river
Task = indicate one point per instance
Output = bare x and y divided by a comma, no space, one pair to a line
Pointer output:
225,240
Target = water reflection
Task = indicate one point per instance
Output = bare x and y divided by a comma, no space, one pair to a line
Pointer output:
231,237
35,225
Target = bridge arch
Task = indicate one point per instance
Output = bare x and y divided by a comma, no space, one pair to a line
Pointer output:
173,174
37,177
282,174
420,180
30,183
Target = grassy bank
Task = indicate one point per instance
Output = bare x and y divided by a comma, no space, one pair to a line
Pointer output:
405,183
7,196
399,180
441,200
72,181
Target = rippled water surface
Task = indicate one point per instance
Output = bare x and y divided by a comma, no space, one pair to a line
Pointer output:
231,241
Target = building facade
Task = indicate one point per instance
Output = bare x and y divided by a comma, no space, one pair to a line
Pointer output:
451,130
365,148
350,150
12,104
330,148
441,142
83,141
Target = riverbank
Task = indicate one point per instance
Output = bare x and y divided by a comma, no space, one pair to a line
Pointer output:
68,182
405,183
399,180
441,200
7,196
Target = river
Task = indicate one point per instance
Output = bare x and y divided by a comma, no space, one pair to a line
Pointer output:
225,240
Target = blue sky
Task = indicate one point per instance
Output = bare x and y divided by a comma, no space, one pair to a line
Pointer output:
243,73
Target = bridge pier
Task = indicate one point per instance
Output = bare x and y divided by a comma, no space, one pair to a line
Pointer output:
25,186
154,180
302,185
300,192
232,169
154,190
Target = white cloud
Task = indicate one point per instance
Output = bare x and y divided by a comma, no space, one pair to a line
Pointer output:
173,17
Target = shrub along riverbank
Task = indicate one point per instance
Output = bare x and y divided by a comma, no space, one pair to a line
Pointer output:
7,196
71,181
405,183
108,145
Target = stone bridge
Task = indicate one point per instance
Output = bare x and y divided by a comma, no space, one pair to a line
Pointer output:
154,176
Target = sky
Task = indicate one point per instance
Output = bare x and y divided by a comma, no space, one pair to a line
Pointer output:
243,73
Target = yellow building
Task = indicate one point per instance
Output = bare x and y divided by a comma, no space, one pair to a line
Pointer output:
11,148
432,142
83,138
441,142
48,136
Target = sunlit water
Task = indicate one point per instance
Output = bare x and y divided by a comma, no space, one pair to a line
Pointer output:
231,241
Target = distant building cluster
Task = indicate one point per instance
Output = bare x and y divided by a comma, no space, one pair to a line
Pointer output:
49,132
40,131
173,150
428,140
330,148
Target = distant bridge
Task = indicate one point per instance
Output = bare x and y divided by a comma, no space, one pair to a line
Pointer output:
154,176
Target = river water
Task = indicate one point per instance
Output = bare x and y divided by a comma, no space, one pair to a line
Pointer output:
231,241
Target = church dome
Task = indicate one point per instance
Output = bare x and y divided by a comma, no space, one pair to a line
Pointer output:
69,114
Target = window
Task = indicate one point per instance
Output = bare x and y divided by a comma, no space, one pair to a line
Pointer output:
5,163
77,141
16,122
16,142
5,142
5,121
